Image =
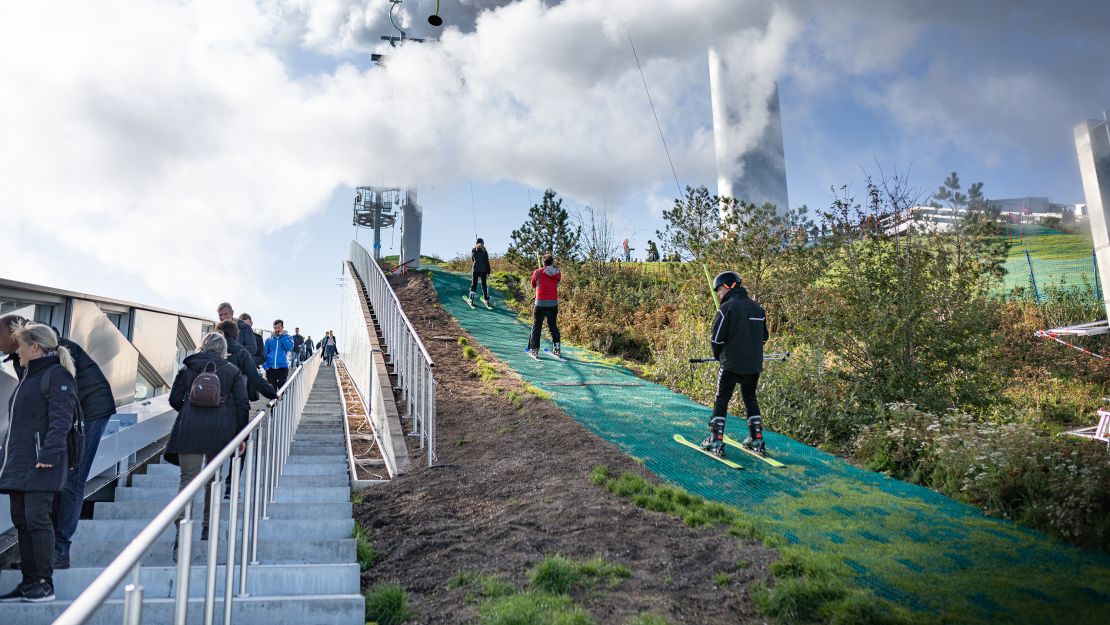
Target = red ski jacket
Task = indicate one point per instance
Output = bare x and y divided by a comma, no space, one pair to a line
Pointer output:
546,283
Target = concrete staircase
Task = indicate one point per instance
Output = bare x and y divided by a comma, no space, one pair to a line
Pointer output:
307,571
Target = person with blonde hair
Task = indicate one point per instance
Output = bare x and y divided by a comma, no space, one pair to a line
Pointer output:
36,458
203,428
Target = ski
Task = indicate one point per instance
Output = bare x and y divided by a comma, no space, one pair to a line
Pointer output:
732,442
531,355
488,305
547,350
680,439
468,302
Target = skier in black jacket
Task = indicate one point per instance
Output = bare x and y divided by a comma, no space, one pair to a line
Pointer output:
737,336
480,270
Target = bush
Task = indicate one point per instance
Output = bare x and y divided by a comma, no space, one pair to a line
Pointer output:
1054,484
386,604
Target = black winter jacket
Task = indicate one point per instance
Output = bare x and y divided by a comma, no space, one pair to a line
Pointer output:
298,343
260,349
39,430
93,390
481,260
244,332
207,430
256,384
738,333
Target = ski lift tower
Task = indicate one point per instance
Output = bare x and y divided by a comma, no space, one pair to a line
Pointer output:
388,207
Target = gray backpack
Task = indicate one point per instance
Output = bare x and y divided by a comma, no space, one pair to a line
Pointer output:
206,391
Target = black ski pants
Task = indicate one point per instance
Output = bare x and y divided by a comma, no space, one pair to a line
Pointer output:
480,275
726,386
539,313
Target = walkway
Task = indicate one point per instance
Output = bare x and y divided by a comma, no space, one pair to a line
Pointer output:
905,542
307,572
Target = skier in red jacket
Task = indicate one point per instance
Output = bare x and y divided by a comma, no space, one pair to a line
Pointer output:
546,282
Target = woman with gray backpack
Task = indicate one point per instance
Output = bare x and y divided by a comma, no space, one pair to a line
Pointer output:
210,397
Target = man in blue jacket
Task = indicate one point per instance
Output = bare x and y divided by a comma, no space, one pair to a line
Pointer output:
278,347
97,405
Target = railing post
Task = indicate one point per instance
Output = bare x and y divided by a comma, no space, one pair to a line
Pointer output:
213,548
232,531
184,565
256,494
133,599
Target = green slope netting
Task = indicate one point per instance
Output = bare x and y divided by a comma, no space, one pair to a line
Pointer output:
907,543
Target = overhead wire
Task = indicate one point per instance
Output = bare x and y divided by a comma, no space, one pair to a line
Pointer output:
473,210
658,125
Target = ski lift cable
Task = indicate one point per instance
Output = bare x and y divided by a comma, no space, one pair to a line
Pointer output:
658,125
473,210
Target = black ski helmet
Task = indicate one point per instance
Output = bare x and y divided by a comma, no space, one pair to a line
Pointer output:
730,279
480,241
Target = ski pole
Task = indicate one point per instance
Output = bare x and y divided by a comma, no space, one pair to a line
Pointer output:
772,356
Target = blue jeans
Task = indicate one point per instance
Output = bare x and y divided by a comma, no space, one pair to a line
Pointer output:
72,496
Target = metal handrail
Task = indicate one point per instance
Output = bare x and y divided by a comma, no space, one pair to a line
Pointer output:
411,362
261,480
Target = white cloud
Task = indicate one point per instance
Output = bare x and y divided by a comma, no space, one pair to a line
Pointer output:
139,136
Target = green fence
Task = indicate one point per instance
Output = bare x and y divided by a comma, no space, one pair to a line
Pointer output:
1034,276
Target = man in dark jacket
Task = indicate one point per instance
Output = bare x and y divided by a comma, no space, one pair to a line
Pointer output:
480,270
737,336
298,347
259,353
239,357
199,432
97,405
225,312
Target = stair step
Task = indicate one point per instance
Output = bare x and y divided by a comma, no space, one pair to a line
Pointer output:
285,494
108,510
105,530
345,609
280,551
300,468
160,582
287,479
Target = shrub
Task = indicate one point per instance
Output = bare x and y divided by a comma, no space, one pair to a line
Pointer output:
469,353
386,604
557,574
363,549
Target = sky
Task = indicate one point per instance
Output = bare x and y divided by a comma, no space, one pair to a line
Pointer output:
186,152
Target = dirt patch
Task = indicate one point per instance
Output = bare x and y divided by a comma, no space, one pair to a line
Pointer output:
511,486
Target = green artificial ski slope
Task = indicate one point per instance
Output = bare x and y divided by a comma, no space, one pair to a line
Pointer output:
905,542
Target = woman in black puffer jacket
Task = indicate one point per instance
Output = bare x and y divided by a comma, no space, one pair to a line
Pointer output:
36,461
199,433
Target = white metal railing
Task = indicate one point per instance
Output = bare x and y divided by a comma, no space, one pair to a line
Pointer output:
406,353
361,358
263,462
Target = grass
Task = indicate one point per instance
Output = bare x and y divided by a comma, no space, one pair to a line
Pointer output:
1053,247
537,391
646,618
809,586
469,353
722,579
463,341
364,551
532,608
387,604
485,586
557,574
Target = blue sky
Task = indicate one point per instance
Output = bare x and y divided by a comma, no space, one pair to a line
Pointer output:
209,151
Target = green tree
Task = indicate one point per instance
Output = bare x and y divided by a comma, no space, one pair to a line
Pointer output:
548,230
693,224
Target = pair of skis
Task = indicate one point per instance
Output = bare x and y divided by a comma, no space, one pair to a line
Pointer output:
731,442
471,303
546,351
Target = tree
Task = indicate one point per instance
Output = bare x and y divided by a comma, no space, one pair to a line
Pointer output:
600,241
548,230
758,237
692,225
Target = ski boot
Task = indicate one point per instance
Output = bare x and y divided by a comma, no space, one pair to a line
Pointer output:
715,442
470,298
754,441
558,351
